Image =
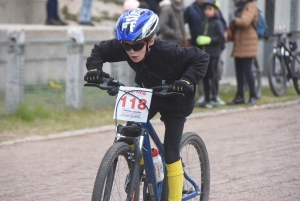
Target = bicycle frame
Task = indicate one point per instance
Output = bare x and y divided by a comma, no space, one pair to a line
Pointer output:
281,50
155,189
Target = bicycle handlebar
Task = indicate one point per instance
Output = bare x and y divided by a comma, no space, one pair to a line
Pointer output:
163,91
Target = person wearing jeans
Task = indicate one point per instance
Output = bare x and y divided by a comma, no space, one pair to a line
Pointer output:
85,17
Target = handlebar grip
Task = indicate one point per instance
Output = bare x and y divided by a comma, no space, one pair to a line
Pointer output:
191,88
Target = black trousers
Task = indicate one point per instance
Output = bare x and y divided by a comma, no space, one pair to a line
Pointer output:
52,10
243,69
211,80
173,132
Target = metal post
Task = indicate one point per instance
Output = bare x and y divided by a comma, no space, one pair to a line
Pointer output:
74,80
14,92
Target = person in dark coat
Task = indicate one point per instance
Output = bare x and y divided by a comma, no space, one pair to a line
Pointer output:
155,60
194,16
153,5
210,39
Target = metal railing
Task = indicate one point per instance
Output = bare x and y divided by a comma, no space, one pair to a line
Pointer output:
65,89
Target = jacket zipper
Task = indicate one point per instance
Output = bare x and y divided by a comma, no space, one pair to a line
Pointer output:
205,31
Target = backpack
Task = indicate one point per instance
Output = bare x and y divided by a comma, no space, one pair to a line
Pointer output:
262,28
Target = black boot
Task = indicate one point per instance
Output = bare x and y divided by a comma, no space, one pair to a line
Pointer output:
237,100
52,22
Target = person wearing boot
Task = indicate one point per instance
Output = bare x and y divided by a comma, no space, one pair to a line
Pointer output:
245,47
52,14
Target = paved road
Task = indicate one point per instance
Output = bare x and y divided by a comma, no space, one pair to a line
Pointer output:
254,155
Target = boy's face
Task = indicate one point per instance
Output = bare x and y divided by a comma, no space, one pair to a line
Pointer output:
210,11
136,50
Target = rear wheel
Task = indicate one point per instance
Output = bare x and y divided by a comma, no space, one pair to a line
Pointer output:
276,75
295,68
195,162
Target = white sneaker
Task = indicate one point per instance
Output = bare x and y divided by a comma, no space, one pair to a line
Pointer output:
201,99
220,101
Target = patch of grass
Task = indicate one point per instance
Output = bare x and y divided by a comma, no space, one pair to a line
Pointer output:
68,15
43,120
27,114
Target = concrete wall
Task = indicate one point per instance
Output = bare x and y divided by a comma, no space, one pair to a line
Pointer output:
22,11
44,62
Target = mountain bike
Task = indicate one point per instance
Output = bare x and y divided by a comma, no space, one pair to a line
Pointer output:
283,65
257,78
122,176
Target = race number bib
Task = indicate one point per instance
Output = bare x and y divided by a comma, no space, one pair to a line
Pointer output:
132,104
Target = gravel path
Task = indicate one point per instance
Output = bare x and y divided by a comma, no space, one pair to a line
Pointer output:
254,155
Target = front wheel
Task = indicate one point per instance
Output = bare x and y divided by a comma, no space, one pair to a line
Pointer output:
195,162
276,75
295,68
112,181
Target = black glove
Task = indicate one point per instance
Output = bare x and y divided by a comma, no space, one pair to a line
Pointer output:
181,86
95,75
114,91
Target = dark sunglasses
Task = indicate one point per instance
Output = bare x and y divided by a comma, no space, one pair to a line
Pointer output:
134,47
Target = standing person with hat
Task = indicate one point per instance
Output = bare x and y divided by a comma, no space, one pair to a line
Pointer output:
210,39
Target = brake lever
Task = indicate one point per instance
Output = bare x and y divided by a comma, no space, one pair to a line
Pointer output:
164,92
103,86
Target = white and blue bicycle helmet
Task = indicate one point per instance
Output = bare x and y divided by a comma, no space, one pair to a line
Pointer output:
137,25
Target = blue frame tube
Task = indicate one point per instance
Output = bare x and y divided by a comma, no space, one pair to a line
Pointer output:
154,190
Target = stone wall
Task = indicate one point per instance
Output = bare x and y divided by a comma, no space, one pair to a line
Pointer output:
22,11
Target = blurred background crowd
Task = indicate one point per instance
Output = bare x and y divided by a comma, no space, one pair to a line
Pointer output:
45,28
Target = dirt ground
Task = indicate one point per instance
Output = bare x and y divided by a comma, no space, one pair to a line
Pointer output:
254,155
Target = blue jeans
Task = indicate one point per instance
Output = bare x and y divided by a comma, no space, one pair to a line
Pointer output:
86,11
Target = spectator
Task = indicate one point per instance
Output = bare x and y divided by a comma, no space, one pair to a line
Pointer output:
193,16
245,46
210,39
52,14
85,16
153,5
171,21
130,4
144,4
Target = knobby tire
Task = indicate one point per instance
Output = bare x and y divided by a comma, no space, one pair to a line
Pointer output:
295,68
277,75
195,160
112,173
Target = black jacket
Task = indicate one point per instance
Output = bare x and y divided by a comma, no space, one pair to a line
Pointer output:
165,61
213,28
194,16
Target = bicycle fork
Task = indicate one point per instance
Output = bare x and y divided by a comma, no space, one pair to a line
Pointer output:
134,172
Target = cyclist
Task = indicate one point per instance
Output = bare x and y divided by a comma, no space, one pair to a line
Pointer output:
155,60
